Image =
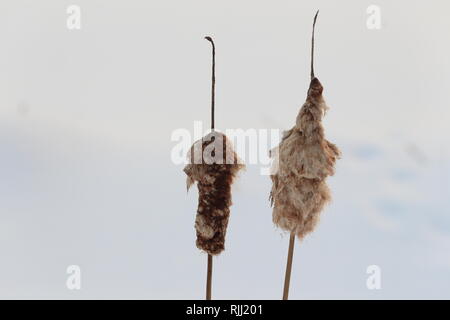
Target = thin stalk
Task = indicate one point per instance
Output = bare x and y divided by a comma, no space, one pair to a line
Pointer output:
287,276
209,277
213,81
213,99
312,46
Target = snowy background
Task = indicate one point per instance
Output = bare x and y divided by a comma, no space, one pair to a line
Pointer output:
86,118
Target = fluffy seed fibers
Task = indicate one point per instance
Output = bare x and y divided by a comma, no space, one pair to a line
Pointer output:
302,162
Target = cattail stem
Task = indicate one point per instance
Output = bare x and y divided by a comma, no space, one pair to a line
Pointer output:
213,80
312,45
209,277
213,100
287,276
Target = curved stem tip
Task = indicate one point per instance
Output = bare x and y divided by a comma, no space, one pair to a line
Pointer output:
213,80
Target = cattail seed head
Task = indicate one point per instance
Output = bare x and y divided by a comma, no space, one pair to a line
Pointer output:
214,175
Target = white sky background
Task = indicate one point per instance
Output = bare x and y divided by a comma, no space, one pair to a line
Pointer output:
86,119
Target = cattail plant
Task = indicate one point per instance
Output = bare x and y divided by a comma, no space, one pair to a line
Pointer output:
302,162
213,164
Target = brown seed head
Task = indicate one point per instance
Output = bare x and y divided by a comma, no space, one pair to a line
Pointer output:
315,88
